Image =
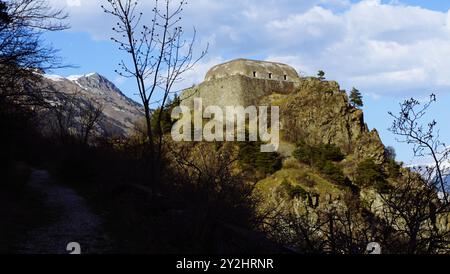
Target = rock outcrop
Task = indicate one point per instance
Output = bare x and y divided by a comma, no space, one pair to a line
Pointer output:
320,113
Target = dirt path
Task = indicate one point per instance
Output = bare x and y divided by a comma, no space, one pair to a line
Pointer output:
68,218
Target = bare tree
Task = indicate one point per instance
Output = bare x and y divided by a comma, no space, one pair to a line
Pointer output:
412,211
22,53
159,54
71,116
91,115
60,117
409,127
301,232
417,202
205,174
331,228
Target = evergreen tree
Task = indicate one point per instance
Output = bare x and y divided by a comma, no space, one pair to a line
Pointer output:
321,75
356,98
165,121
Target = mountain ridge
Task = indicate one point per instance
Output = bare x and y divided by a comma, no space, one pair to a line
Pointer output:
120,113
77,78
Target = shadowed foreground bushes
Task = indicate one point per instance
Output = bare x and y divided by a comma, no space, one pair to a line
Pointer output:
198,204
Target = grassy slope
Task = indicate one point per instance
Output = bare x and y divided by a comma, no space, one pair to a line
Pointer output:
299,175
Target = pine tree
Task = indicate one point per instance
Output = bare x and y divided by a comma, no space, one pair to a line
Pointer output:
356,98
321,75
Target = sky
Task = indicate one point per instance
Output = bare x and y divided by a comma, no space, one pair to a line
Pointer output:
389,50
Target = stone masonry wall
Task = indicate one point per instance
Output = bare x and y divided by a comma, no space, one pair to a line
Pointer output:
235,90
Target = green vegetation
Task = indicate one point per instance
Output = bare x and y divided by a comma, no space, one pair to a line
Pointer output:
321,75
369,173
322,157
294,191
316,155
333,172
166,119
389,153
356,98
305,177
250,155
393,169
166,122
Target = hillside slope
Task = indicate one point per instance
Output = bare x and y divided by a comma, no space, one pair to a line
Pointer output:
119,112
318,114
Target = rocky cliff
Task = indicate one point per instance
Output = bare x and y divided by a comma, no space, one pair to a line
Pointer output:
319,112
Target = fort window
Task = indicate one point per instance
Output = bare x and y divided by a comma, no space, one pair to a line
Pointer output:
285,77
270,75
254,74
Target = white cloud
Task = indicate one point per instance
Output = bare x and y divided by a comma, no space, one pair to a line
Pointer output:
197,75
313,24
74,3
381,48
378,47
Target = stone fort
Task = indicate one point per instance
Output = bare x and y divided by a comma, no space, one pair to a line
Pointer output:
242,82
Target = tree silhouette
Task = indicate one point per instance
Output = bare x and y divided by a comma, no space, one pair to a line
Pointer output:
4,17
425,139
356,98
321,75
159,54
22,53
413,209
91,115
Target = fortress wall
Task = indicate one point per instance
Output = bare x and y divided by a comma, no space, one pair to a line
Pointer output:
254,89
221,92
253,69
235,90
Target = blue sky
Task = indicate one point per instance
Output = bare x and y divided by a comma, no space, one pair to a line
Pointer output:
390,50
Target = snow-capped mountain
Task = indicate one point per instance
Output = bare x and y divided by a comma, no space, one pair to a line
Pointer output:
120,112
